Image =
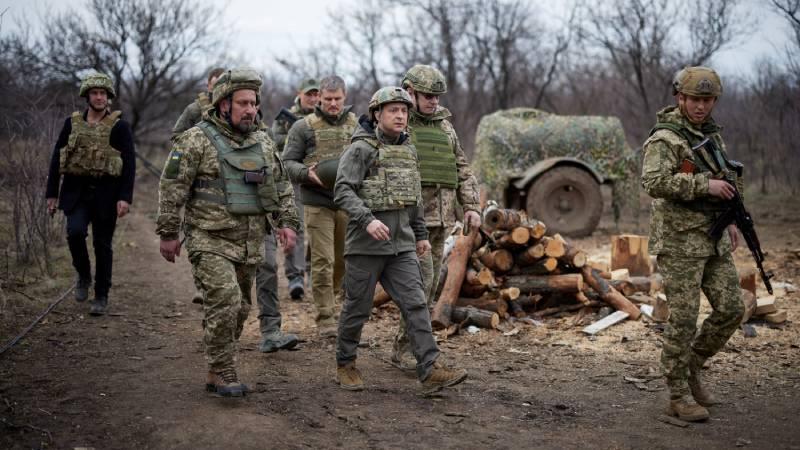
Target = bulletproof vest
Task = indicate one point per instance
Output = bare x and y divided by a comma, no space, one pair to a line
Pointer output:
330,141
245,180
88,151
708,158
437,159
393,180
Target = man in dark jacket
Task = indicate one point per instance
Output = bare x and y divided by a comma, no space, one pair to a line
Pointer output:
95,155
378,185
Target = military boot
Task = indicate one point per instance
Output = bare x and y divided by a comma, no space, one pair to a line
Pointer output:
441,377
82,289
685,408
272,342
699,392
225,383
349,377
99,305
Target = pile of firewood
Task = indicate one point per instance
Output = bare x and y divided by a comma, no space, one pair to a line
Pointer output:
510,267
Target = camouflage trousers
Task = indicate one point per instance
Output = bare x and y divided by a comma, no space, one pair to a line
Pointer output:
227,286
431,266
684,278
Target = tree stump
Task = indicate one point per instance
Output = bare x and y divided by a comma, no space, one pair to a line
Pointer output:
629,251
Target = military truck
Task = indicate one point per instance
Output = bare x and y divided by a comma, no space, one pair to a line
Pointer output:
554,166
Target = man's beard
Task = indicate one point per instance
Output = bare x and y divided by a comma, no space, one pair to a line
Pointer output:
245,126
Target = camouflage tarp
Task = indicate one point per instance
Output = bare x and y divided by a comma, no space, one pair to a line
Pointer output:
509,142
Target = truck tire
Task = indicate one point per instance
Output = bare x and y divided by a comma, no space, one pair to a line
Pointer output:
567,199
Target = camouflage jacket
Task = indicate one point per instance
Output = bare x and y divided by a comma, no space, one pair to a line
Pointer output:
280,128
301,143
676,228
406,226
190,116
441,203
209,227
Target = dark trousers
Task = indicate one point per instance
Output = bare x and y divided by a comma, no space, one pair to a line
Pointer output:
103,219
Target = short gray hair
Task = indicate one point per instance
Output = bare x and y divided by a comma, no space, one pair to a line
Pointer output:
332,83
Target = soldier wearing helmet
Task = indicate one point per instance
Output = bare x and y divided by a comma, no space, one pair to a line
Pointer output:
234,189
447,181
193,113
312,143
687,171
378,185
95,155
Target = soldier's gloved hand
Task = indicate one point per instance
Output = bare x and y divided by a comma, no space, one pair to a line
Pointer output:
170,249
423,247
287,238
378,230
122,208
721,189
733,232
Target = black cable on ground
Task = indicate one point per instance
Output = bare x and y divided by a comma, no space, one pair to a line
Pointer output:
16,339
152,168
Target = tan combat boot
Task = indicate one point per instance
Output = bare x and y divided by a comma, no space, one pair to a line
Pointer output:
441,377
225,383
699,392
349,377
685,408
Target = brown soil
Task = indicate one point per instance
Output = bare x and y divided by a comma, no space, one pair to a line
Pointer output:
135,378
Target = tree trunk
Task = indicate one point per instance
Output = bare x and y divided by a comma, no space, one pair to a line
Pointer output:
609,294
501,219
530,255
499,260
548,284
573,257
456,268
629,251
474,316
515,238
553,247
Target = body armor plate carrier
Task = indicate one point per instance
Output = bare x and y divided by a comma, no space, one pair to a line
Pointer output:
330,140
437,160
88,151
393,180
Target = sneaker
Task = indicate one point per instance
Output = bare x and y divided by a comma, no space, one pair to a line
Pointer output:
82,289
225,383
273,342
441,377
98,306
349,377
296,288
685,408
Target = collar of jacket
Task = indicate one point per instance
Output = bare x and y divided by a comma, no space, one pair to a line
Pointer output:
333,119
298,108
226,130
672,114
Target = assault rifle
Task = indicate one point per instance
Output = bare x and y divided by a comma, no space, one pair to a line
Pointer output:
286,115
736,213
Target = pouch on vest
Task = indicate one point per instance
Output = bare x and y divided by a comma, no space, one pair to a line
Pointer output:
394,181
88,151
437,160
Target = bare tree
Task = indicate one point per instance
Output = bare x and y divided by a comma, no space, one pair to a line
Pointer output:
790,11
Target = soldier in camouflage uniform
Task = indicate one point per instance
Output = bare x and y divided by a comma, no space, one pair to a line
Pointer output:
95,155
269,316
193,113
687,171
317,139
447,181
378,185
234,189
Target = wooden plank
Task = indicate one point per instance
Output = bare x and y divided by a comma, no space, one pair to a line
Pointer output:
606,322
765,305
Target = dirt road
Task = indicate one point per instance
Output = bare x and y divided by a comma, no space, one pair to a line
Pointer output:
134,379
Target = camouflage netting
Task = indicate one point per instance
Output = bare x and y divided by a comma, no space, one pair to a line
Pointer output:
509,142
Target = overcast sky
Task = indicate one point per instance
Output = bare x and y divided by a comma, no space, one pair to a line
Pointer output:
263,29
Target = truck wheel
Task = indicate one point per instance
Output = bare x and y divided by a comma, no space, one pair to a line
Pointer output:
567,199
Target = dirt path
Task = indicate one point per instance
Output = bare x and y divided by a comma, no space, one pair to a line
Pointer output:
134,379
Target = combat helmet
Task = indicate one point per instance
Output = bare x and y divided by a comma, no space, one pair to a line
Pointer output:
391,94
97,80
233,80
697,81
425,79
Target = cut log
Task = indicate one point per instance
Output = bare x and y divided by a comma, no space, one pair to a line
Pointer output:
624,286
494,304
456,268
747,280
544,266
656,282
472,290
500,260
528,301
766,305
536,228
749,305
582,298
553,247
620,274
511,293
609,294
629,251
661,310
602,266
502,219
641,299
606,322
547,284
776,317
515,309
486,277
530,255
564,308
471,277
380,297
474,316
573,257
515,238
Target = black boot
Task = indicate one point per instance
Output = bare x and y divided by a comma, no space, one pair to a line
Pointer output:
82,289
99,305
